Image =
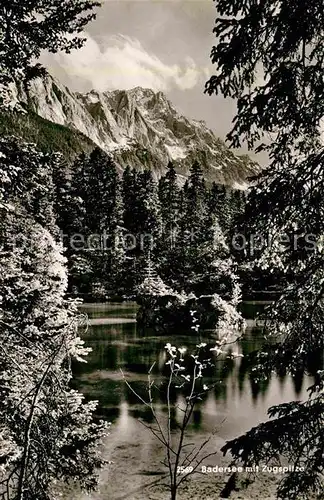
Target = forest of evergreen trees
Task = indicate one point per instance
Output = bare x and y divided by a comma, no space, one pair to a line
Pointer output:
113,227
117,229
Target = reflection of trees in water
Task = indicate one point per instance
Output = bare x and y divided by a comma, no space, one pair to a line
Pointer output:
258,388
298,381
122,346
220,392
197,418
144,413
244,368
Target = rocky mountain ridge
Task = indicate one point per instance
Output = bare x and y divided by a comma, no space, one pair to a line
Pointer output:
140,128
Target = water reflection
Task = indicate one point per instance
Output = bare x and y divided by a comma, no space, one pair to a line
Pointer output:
122,346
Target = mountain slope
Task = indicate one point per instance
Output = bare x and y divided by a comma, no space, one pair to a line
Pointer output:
48,136
139,128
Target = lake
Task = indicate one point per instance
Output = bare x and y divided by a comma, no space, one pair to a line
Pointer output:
235,404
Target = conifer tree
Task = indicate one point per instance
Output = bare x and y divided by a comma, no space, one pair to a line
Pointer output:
129,199
118,276
142,222
192,228
170,206
219,205
237,202
47,432
169,197
95,220
148,210
270,58
27,28
200,260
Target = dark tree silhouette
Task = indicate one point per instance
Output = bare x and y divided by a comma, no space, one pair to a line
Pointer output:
28,27
270,58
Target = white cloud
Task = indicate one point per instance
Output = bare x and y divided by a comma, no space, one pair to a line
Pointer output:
124,64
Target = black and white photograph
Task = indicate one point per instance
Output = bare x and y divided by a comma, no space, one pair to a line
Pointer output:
161,249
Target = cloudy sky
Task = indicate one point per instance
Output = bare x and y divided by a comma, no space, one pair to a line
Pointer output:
161,44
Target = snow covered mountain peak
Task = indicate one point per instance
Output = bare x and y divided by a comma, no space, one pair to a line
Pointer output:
140,128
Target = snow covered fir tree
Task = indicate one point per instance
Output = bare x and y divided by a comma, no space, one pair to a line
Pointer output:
47,431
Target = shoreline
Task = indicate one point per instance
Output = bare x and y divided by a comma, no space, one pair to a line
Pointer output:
135,472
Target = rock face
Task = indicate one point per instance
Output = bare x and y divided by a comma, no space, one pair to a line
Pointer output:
140,128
